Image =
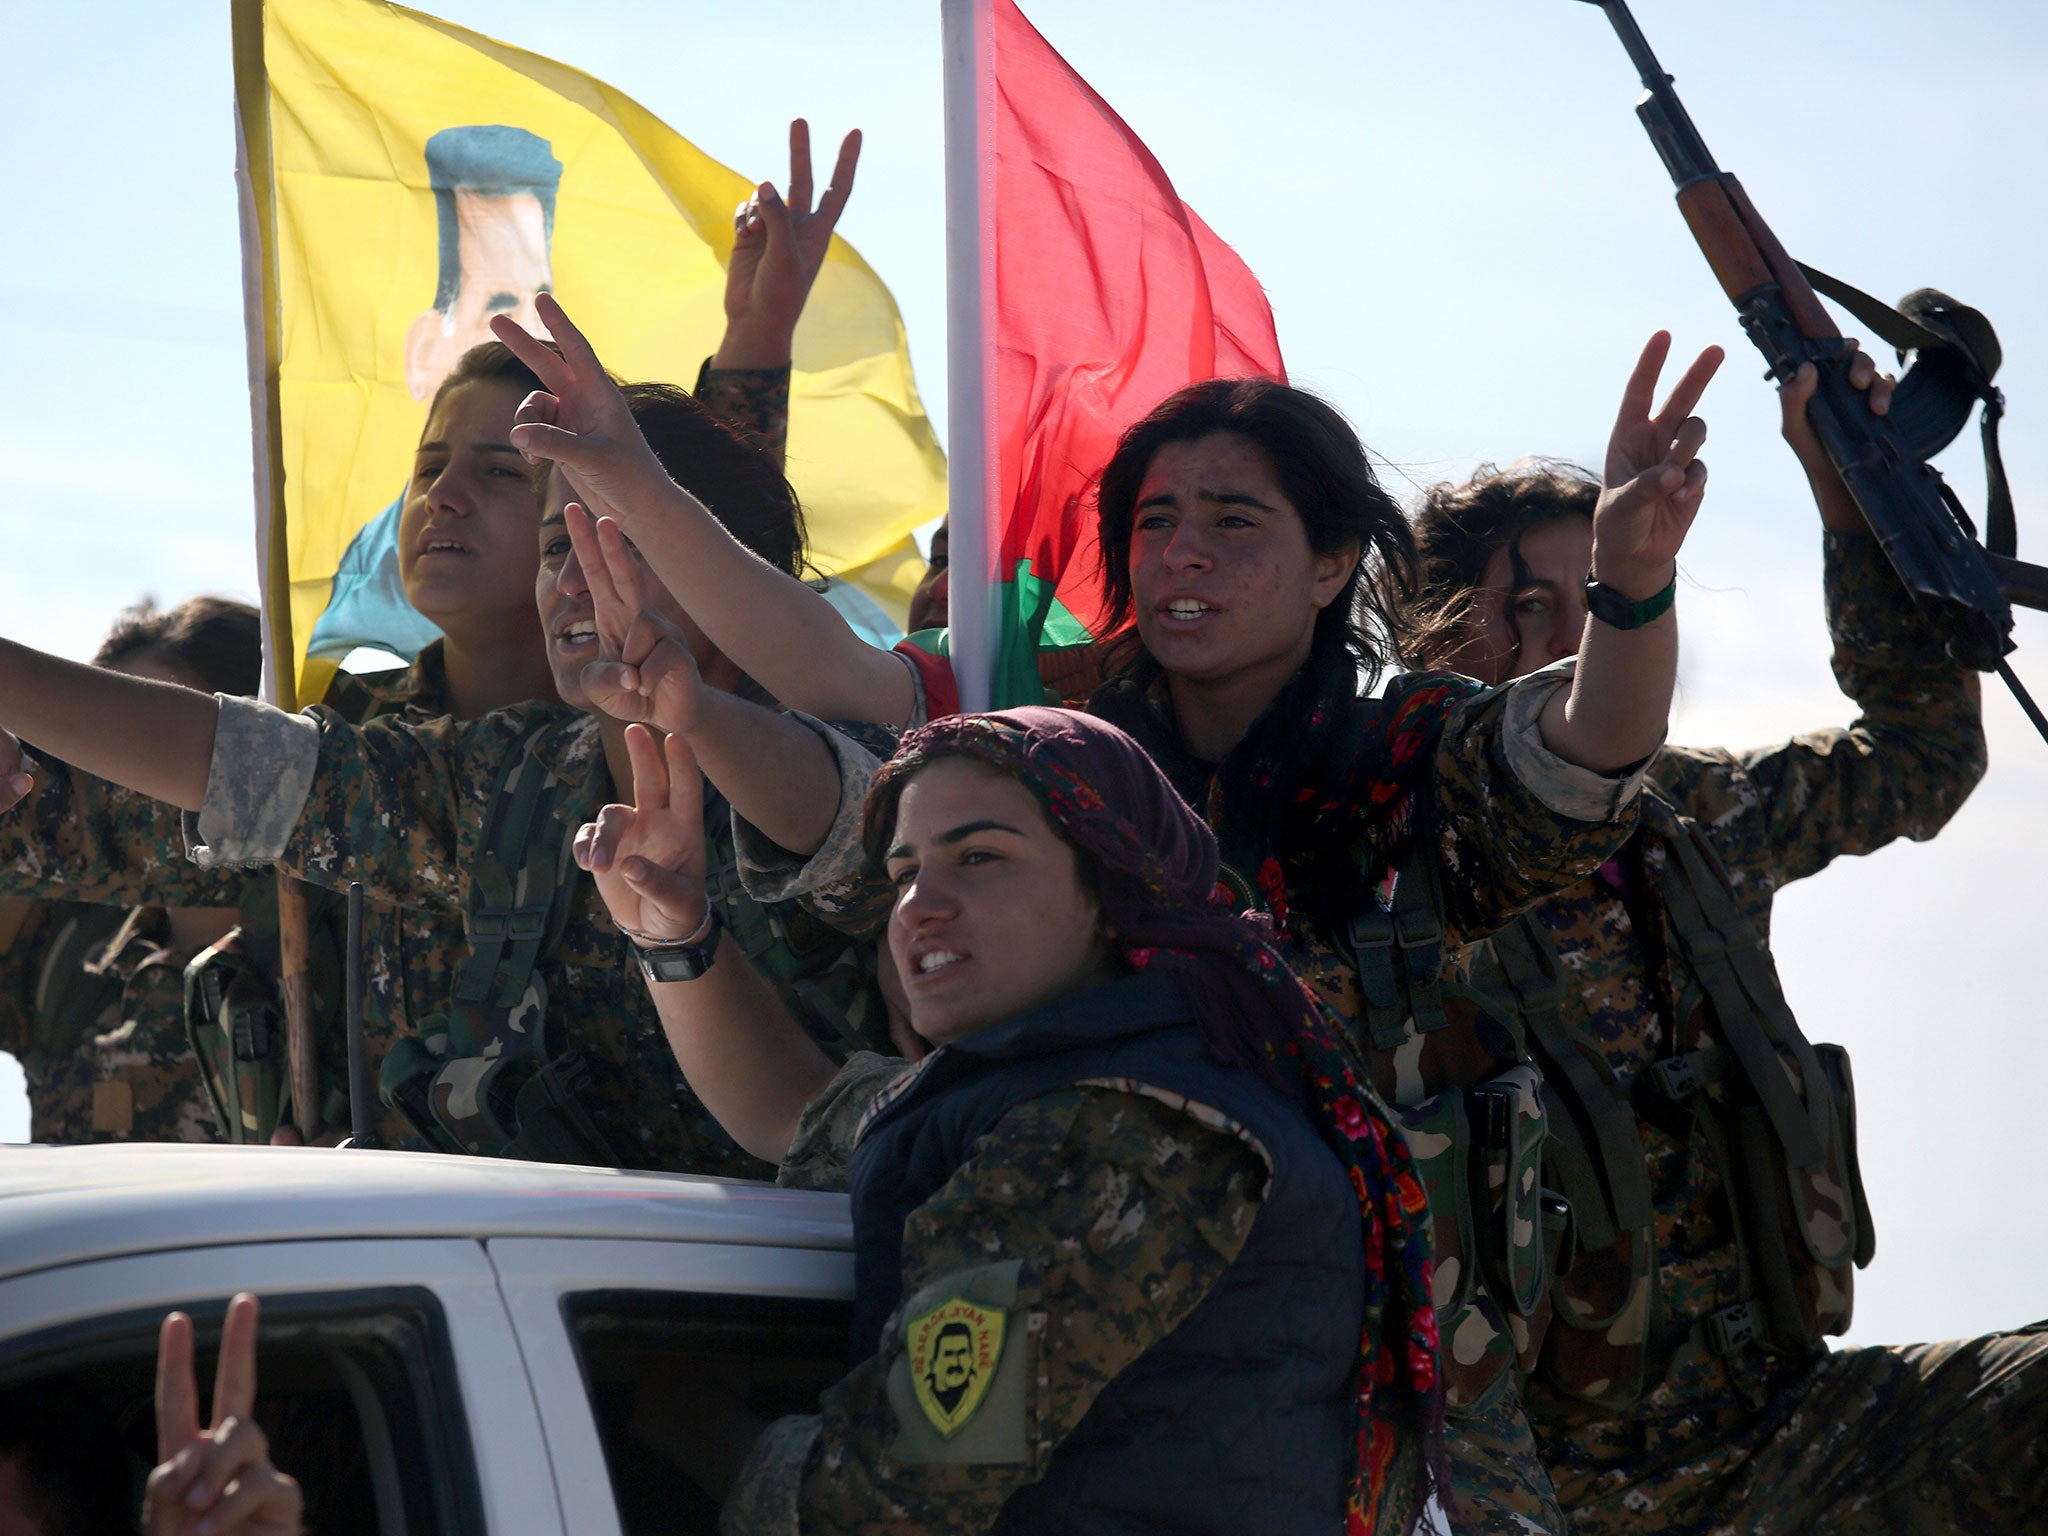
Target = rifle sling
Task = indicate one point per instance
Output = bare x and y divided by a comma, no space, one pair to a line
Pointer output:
1529,965
513,883
1933,400
1730,965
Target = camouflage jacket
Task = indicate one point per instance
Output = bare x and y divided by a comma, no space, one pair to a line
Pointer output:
1771,815
115,979
80,839
1169,1199
94,841
402,805
1513,823
85,840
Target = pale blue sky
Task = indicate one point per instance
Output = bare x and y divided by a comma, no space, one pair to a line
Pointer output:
1465,236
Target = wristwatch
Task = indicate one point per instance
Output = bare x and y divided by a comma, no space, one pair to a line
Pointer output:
1618,612
681,959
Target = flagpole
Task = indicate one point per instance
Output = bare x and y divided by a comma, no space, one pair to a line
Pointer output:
253,178
965,34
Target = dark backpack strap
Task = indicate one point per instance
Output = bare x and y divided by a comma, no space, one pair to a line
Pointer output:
514,888
1597,1110
1398,953
1725,953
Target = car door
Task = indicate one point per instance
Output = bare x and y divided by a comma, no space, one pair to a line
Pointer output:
388,1370
648,1357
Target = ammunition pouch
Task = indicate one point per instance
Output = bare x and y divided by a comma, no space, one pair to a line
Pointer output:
1478,1148
236,1028
520,1103
1479,1153
1398,954
1778,1116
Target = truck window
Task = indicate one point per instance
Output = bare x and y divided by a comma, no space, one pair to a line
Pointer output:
357,1398
679,1381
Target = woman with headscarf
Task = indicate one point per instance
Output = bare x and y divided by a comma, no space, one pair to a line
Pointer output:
1136,1246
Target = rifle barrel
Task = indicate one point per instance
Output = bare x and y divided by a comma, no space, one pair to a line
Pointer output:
1670,126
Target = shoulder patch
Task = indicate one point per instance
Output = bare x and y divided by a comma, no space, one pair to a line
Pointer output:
959,1386
954,1350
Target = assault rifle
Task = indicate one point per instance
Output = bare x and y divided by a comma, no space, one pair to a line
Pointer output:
1965,589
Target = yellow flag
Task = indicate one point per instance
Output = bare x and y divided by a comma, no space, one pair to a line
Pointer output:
405,179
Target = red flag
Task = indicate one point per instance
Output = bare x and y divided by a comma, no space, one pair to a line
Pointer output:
1101,294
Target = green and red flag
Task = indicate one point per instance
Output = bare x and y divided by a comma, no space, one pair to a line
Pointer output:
1081,292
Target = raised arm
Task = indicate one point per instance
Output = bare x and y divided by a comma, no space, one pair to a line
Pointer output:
1916,748
745,1056
776,772
777,248
773,627
1616,711
150,736
217,1480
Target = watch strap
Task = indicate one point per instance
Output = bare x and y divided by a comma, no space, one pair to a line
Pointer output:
685,960
1618,612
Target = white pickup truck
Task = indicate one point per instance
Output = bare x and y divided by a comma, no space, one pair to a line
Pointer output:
450,1346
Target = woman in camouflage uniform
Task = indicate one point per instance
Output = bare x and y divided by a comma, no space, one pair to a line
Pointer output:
92,997
1706,1147
1110,1275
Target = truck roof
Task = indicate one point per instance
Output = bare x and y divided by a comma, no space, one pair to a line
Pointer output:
66,1205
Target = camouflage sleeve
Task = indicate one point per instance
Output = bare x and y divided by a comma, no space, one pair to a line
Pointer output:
754,402
821,1152
1515,821
1084,1230
835,881
81,838
263,765
396,803
1902,769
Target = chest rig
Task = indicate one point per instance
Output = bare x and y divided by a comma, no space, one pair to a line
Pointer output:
1775,1112
497,1074
1473,1120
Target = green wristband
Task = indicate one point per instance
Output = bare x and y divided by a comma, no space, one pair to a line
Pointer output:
1617,612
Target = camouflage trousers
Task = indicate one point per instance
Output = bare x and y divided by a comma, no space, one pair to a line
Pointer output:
1919,1440
1496,1474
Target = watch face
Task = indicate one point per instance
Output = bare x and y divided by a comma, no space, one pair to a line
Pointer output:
677,964
681,962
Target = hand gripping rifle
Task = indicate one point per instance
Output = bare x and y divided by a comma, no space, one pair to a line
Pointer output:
1965,589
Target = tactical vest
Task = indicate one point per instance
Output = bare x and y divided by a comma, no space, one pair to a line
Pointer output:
495,1075
1479,1149
1777,1113
1240,1419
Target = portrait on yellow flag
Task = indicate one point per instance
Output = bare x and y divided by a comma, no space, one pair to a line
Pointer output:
406,180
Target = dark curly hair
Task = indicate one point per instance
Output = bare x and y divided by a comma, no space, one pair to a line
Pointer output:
1459,529
1322,468
735,480
215,641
